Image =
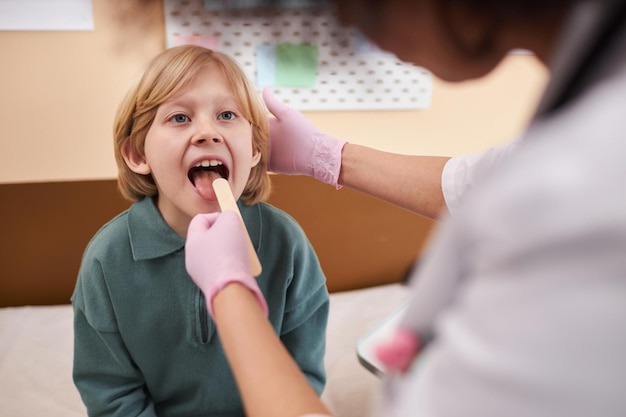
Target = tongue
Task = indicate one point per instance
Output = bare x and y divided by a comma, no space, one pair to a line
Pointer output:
204,183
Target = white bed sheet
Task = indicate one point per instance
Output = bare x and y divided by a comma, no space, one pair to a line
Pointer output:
36,363
36,356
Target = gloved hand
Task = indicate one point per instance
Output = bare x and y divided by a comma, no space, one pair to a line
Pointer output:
298,147
398,353
216,254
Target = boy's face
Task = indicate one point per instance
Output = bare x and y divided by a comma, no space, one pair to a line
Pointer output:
197,136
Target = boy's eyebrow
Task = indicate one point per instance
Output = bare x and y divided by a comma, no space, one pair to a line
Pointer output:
176,100
230,98
186,100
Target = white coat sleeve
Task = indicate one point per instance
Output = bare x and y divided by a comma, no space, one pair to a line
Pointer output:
462,173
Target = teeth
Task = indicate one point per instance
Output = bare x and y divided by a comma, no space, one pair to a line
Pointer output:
209,163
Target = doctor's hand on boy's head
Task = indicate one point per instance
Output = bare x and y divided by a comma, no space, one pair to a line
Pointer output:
297,147
216,254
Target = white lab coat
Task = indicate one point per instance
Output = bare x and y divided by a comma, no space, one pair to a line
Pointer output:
462,173
524,286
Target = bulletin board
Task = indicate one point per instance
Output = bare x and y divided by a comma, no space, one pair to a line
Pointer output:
338,69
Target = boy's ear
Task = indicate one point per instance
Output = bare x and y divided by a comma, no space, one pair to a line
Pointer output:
256,158
135,161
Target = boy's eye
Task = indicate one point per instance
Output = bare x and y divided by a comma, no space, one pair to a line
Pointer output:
227,115
179,118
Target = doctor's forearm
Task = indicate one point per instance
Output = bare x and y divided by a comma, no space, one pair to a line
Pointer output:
269,380
409,181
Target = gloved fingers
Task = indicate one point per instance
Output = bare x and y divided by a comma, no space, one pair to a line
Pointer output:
275,106
228,223
398,353
201,223
223,225
216,247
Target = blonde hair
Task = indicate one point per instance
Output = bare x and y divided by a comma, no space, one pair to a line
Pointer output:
165,75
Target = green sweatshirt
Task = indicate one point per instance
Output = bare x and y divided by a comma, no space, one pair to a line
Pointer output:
144,342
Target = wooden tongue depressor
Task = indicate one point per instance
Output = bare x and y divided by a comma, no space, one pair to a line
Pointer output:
227,202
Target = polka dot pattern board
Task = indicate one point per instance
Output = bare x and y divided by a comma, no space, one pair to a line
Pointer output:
351,73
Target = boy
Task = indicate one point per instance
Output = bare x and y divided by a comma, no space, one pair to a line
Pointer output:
144,343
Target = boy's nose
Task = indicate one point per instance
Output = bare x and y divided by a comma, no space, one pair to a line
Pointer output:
207,133
202,139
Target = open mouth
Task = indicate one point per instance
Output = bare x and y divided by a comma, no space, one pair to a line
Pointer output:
207,170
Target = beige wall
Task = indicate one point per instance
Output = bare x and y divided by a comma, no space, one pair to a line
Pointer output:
59,92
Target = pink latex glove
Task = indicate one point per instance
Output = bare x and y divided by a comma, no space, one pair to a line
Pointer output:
297,147
216,254
398,353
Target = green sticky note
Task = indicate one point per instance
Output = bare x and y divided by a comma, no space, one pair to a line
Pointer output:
296,65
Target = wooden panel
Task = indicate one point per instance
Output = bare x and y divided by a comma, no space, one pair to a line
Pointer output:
361,241
45,227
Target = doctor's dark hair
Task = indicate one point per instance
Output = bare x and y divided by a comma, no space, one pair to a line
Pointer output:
166,75
494,15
